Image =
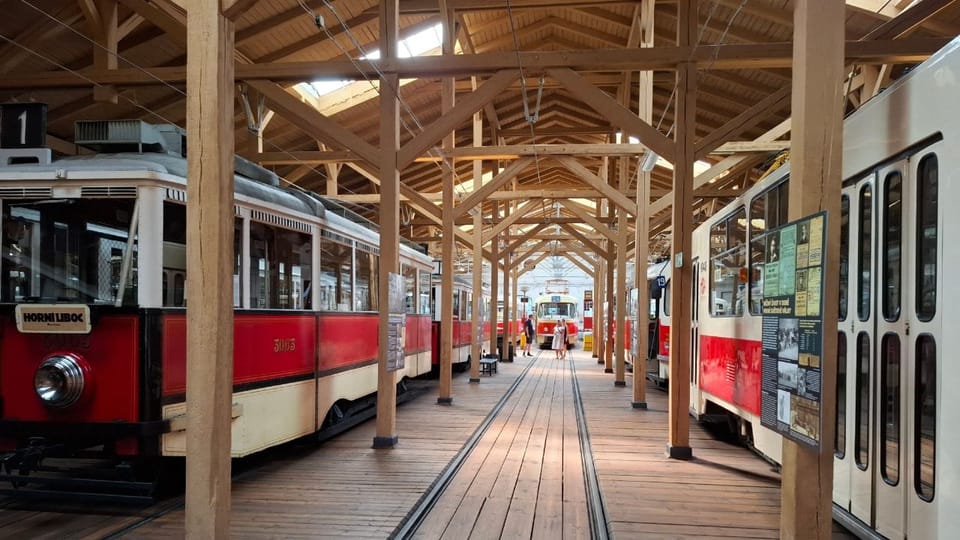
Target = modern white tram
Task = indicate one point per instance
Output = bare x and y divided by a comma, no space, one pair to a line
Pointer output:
897,456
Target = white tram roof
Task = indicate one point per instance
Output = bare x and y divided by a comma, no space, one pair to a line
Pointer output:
661,268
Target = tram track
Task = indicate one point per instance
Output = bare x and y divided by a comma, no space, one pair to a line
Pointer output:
596,507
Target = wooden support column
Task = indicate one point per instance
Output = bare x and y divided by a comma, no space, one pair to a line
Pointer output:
105,56
620,369
477,341
386,435
642,226
678,445
447,245
610,316
494,295
210,280
816,148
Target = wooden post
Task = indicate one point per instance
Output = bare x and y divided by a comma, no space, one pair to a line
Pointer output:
210,280
815,176
386,435
642,226
105,56
447,245
478,261
610,317
678,445
599,313
620,371
495,281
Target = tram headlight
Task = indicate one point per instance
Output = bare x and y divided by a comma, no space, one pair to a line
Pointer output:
59,381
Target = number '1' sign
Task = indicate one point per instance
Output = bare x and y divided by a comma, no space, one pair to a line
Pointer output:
23,125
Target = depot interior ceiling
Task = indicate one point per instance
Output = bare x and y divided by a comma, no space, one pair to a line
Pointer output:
120,60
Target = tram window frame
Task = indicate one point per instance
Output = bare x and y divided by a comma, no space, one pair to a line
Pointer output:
280,265
366,265
840,436
728,240
336,275
844,285
890,418
892,246
409,274
426,298
768,210
925,401
927,270
865,252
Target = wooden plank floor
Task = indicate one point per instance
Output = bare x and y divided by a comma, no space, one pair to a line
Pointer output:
523,479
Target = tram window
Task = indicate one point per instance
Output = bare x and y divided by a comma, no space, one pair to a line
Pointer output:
927,235
336,275
279,262
456,304
862,437
864,253
890,409
67,251
892,236
409,288
367,265
767,211
666,299
468,308
728,240
840,440
237,261
426,306
925,419
844,256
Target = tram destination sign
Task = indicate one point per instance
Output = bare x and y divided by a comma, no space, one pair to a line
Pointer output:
53,318
792,342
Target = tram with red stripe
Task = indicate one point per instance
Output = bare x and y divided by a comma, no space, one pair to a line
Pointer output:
92,303
894,449
463,298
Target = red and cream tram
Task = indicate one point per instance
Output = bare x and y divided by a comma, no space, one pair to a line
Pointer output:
657,355
548,309
92,303
895,451
463,298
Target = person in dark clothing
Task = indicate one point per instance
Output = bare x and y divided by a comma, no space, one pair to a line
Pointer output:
531,334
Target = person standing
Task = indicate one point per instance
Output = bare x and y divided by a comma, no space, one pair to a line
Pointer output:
558,340
563,347
531,334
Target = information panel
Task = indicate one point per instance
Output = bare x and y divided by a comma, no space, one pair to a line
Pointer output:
792,329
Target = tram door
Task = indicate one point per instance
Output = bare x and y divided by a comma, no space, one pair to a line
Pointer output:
858,334
889,337
695,329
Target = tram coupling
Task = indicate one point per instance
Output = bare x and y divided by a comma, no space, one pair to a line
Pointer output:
30,472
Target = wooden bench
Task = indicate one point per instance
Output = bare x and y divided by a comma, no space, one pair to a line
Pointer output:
488,365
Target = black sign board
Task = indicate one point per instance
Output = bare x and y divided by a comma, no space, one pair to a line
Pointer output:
23,125
792,339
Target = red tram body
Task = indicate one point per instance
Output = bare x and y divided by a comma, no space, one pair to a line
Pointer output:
104,236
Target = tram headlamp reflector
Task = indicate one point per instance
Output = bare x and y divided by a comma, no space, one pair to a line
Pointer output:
59,381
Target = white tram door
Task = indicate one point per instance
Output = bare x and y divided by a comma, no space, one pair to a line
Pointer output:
893,203
884,464
920,370
859,330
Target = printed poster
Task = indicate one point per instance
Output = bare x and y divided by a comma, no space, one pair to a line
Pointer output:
792,336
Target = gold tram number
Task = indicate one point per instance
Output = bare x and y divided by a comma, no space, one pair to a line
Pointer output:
281,345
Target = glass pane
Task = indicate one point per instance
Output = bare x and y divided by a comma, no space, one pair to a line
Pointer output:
844,256
840,441
237,262
864,253
425,297
862,438
783,201
925,440
365,291
67,251
757,258
410,288
336,271
890,408
892,208
927,234
718,238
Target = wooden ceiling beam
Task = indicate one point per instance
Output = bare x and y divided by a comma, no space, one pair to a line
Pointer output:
590,220
749,118
717,57
593,180
498,181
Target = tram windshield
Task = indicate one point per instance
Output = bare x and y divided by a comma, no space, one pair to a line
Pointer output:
67,250
556,309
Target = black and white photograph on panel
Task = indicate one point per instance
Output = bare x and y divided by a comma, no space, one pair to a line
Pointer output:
783,406
787,375
788,338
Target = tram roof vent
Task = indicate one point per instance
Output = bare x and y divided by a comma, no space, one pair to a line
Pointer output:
130,136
